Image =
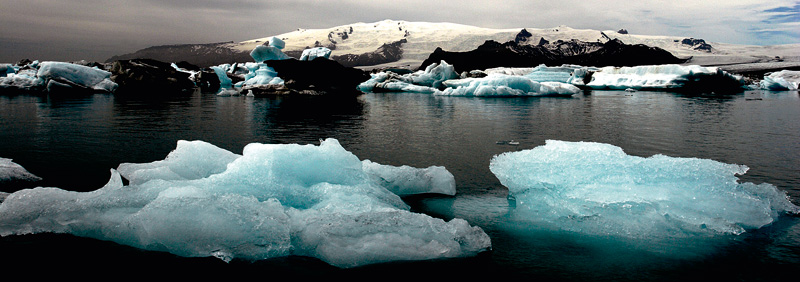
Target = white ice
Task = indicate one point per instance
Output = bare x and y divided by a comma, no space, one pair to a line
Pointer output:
261,74
658,77
597,189
781,80
83,76
11,171
316,52
500,85
422,81
271,201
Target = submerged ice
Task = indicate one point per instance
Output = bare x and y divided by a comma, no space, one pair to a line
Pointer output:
271,201
597,189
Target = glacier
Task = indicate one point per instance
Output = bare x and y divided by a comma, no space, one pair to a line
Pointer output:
273,200
597,189
781,81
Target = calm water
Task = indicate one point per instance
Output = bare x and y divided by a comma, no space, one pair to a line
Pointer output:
72,142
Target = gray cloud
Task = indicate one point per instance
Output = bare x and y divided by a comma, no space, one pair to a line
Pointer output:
96,30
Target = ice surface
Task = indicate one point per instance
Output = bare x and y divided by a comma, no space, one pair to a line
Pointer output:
406,180
313,53
11,171
73,74
271,201
781,80
261,74
561,74
659,77
597,189
277,43
506,85
422,81
264,53
25,79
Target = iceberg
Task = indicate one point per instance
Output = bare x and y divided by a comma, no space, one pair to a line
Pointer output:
597,189
266,53
563,74
273,200
406,180
659,77
69,75
500,85
422,81
13,172
783,80
313,53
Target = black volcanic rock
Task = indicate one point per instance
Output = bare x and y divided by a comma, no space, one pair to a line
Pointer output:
387,53
522,36
202,55
318,76
697,44
511,54
148,75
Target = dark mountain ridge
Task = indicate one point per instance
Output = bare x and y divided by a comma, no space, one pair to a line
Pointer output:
512,54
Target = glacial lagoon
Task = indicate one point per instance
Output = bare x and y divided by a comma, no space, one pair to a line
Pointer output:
73,142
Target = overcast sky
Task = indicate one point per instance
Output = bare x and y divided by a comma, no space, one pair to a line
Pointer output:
94,30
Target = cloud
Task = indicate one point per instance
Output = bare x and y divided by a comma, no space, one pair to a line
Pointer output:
96,30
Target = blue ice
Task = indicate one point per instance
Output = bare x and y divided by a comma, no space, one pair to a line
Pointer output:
271,201
598,189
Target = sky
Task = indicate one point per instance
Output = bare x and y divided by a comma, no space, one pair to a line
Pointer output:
94,30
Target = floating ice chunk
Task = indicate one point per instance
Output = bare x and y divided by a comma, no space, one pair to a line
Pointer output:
6,69
265,53
506,85
406,180
271,201
69,75
422,81
313,53
277,43
544,73
597,189
222,75
25,80
661,77
261,74
12,172
781,81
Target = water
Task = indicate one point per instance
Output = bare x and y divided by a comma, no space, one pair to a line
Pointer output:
72,142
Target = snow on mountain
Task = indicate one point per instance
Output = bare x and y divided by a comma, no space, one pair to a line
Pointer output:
392,43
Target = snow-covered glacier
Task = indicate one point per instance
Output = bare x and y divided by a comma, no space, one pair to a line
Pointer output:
272,200
597,189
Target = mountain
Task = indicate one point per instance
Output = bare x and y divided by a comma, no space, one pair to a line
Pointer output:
403,44
493,54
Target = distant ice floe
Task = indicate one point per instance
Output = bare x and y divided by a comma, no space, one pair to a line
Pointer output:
781,81
597,189
316,52
565,80
271,201
61,75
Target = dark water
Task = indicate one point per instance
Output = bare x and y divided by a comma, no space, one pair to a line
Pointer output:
72,142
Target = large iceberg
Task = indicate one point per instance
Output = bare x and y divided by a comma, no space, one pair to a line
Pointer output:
271,201
59,75
316,52
500,85
658,77
597,189
271,51
781,80
423,81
